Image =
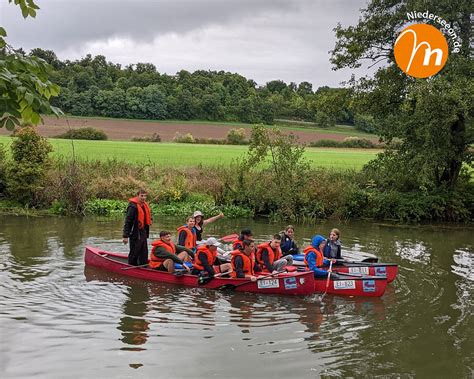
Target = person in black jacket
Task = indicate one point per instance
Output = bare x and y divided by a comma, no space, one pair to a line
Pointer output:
288,245
333,245
136,228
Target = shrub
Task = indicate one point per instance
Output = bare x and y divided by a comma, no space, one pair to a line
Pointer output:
236,137
85,134
3,170
365,123
349,142
26,174
155,137
184,138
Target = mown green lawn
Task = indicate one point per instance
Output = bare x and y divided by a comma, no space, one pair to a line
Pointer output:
182,155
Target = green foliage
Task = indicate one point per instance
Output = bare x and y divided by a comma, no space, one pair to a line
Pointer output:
26,174
365,123
425,123
155,137
24,81
236,137
184,138
105,207
3,170
349,142
88,133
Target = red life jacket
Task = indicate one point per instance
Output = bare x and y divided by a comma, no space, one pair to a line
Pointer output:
203,250
144,212
272,255
319,256
156,262
248,263
190,241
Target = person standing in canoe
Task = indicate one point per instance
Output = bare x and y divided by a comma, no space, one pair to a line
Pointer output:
288,245
164,254
314,257
270,258
187,234
205,259
245,234
332,250
200,223
136,228
244,264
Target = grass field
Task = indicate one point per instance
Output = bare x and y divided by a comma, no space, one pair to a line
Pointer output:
182,155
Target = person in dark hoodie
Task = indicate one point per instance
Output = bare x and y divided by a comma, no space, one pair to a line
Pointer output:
332,250
136,228
288,245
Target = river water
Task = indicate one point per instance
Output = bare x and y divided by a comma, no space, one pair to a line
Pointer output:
60,320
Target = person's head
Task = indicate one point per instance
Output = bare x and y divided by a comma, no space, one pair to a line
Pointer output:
275,242
290,231
318,242
334,235
212,244
190,222
141,195
249,246
198,217
165,236
246,234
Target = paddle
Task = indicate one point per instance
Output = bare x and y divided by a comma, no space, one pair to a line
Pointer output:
129,268
229,238
204,280
327,282
234,286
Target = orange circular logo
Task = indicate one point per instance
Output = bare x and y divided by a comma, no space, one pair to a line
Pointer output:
421,50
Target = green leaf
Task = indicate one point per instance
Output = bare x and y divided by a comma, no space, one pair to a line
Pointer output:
3,32
24,11
35,118
10,125
29,98
32,12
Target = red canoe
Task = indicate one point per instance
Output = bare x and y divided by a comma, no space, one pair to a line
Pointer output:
295,283
389,270
348,285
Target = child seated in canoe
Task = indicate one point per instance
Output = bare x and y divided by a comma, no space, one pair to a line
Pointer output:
205,259
164,254
270,258
244,264
314,258
332,249
288,245
187,234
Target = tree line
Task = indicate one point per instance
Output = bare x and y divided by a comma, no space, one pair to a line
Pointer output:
92,86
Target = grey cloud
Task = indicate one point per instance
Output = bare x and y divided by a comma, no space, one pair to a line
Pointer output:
60,24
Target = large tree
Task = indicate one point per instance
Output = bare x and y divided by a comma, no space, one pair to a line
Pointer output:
24,80
425,123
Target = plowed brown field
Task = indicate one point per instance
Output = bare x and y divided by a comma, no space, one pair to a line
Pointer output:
127,129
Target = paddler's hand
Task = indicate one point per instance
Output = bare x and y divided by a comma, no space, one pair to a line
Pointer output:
186,267
125,241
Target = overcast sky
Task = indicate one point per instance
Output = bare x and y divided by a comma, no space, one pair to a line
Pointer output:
260,39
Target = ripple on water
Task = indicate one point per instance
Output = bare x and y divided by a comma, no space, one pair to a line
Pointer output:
464,264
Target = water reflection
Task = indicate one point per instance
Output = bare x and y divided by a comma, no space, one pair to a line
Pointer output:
413,251
133,325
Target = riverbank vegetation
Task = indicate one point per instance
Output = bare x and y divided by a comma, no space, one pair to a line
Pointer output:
273,179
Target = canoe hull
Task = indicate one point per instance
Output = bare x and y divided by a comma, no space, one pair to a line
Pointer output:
368,286
298,283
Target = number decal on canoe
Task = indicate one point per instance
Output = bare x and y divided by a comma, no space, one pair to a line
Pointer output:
359,270
344,284
268,283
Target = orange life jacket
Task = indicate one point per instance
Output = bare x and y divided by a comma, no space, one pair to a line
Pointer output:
211,257
272,255
144,213
190,241
319,256
156,262
248,263
237,244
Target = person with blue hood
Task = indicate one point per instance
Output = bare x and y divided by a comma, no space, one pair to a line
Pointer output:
314,258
